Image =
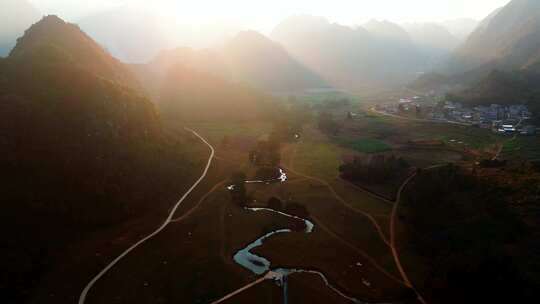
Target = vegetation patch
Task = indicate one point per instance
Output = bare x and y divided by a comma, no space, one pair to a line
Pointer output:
367,145
318,159
522,147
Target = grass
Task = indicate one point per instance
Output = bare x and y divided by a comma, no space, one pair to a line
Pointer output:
522,147
318,159
393,130
215,131
319,98
368,145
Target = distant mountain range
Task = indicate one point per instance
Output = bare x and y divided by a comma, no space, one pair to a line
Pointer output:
15,17
460,28
248,59
433,39
350,58
255,59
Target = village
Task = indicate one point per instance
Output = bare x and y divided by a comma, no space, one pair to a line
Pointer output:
514,119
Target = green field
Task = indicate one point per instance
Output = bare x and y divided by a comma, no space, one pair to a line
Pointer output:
215,131
522,147
367,145
318,159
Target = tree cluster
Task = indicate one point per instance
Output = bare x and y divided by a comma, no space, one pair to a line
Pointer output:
375,169
327,124
266,153
475,242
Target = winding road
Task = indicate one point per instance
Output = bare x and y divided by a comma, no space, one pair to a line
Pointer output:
168,220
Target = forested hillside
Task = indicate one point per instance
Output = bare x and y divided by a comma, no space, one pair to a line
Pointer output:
82,150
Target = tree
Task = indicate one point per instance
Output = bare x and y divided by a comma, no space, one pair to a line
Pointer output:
327,124
238,191
266,153
275,203
297,209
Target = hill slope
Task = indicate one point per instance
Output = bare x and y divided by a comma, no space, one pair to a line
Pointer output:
190,95
509,38
432,38
70,44
81,152
501,87
255,59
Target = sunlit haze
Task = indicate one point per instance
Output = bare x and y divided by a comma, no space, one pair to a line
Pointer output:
263,15
276,151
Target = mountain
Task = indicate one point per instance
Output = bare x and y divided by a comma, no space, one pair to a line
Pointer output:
460,28
249,58
187,94
351,58
507,39
15,17
82,151
395,50
198,85
66,42
502,87
432,38
209,61
388,31
260,62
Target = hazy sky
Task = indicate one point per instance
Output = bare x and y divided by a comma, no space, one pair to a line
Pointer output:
263,15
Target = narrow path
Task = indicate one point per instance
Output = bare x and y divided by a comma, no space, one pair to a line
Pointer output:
268,276
339,198
345,203
501,147
393,247
355,249
84,293
205,196
463,124
393,235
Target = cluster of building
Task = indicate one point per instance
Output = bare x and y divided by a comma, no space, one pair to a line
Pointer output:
501,119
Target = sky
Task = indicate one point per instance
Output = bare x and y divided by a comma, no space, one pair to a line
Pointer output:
264,15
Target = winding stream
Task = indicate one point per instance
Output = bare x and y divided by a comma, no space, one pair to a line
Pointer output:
259,265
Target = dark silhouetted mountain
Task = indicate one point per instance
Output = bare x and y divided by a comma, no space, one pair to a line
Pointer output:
81,151
66,42
346,57
507,39
15,17
188,94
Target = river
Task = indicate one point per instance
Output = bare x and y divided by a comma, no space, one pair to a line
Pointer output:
259,265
